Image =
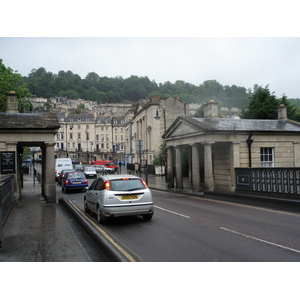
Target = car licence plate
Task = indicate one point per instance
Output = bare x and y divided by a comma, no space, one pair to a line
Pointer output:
76,182
129,197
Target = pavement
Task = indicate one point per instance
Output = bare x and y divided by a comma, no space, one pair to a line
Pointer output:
38,232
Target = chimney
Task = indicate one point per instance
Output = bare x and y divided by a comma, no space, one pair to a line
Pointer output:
211,109
282,112
12,103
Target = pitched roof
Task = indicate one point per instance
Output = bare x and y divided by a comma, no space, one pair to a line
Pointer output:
28,121
229,125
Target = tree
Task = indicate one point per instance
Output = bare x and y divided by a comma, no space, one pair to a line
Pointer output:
11,81
263,105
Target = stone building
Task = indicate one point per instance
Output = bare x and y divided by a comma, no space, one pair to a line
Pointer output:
145,125
18,130
219,145
88,137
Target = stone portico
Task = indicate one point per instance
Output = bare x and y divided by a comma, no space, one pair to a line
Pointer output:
217,146
18,130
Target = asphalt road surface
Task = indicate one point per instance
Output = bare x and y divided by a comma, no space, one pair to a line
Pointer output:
192,229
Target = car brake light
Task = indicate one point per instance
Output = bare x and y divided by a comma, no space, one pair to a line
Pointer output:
67,182
144,183
107,185
86,181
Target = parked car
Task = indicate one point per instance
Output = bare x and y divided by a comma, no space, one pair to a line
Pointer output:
102,169
74,181
90,172
25,168
119,195
62,175
78,168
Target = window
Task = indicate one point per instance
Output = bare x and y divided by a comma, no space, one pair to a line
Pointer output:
71,136
267,157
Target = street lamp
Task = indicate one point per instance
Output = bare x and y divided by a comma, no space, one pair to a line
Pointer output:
158,117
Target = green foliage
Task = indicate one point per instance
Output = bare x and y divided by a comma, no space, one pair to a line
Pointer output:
263,105
10,81
132,89
161,159
119,90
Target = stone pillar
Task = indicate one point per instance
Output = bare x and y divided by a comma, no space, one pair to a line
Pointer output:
170,171
179,178
12,146
196,184
235,163
208,167
49,188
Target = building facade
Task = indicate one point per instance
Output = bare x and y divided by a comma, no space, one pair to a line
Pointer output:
145,125
86,138
217,146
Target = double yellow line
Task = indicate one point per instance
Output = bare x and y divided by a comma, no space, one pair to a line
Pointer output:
114,243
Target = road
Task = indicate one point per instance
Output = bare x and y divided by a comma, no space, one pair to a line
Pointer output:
191,229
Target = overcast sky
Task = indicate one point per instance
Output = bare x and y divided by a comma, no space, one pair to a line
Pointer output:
153,48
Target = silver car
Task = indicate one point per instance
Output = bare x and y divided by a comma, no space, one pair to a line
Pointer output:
119,195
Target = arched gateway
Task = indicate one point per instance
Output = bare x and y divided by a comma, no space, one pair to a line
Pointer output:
18,130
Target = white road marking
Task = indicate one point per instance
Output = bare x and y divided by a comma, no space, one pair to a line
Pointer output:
260,240
172,212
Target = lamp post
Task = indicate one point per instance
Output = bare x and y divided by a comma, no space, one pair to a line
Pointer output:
158,117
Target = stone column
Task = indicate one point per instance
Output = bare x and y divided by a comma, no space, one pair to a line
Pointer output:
179,178
49,188
170,171
208,166
12,146
195,168
235,163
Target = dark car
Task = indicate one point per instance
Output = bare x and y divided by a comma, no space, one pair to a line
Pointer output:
74,181
62,175
25,168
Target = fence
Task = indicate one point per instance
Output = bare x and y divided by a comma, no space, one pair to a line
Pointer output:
270,180
6,199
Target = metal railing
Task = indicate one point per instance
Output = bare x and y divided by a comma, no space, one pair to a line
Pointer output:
270,180
6,199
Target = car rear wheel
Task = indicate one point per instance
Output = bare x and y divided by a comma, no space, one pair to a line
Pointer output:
86,209
100,218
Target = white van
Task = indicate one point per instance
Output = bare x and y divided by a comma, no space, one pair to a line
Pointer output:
62,164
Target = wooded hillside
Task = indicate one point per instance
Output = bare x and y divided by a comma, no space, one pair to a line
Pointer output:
117,89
